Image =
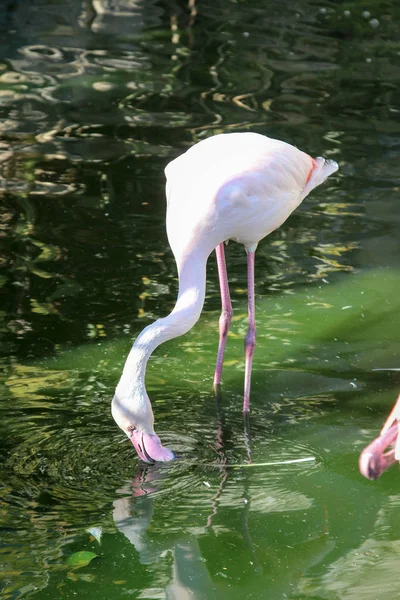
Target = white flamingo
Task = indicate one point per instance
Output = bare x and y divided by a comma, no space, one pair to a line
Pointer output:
238,186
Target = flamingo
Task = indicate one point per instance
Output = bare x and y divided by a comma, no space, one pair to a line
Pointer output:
236,186
373,459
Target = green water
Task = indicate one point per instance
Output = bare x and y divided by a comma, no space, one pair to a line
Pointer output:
95,99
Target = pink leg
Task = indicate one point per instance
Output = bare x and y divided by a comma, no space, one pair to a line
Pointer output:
226,314
250,339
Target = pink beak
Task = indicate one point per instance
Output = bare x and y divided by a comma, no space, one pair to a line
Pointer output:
148,447
373,459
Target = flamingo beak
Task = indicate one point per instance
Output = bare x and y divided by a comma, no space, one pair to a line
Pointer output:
373,459
149,448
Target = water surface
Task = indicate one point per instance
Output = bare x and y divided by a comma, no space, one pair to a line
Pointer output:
95,99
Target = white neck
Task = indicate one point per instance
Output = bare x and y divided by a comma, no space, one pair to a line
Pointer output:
131,406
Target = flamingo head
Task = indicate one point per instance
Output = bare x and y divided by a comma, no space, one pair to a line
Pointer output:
138,426
384,451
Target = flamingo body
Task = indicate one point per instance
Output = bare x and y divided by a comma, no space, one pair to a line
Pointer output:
238,186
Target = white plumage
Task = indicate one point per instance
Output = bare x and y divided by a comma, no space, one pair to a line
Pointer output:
238,186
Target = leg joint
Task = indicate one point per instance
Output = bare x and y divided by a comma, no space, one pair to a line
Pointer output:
250,339
227,313
225,320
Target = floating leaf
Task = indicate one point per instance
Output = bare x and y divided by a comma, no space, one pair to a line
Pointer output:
81,559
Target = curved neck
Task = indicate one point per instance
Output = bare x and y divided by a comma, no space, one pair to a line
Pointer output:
131,391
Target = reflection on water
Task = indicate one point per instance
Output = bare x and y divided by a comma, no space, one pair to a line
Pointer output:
367,570
95,99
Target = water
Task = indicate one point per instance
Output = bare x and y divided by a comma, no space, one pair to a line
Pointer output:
95,99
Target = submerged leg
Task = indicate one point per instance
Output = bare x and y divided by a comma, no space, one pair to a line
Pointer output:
247,435
250,339
226,314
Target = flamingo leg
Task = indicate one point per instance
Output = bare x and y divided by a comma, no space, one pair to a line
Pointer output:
250,339
226,314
